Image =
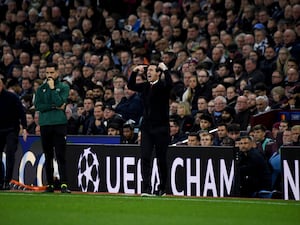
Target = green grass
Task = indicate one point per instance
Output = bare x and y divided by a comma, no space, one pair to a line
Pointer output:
85,209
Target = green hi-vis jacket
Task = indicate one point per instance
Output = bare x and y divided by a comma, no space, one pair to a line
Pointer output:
48,101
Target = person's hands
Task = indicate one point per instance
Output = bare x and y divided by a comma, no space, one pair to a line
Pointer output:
62,107
24,134
162,66
50,82
139,68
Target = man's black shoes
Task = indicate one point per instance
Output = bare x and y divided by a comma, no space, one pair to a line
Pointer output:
64,189
49,189
160,193
147,193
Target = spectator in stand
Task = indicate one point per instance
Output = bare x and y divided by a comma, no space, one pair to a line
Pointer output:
233,131
268,64
243,113
221,134
191,94
86,116
260,37
205,86
130,107
220,104
282,59
96,125
253,74
31,125
295,134
201,105
261,139
206,139
238,72
228,115
277,79
119,94
278,97
110,116
185,118
176,136
290,42
206,122
193,139
231,96
113,129
255,174
128,135
262,104
275,160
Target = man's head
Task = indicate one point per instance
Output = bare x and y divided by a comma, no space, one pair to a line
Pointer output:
193,139
245,144
113,129
259,132
128,131
153,73
51,71
206,139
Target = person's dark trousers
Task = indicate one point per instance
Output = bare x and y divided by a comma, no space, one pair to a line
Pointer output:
53,138
157,138
8,138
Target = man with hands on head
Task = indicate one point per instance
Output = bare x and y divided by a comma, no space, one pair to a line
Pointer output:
155,124
51,99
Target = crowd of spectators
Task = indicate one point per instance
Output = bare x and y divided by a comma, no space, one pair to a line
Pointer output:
229,60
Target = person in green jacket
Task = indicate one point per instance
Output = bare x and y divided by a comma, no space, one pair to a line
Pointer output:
50,101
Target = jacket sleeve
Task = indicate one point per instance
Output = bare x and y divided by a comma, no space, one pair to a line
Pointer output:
168,80
60,98
132,85
22,115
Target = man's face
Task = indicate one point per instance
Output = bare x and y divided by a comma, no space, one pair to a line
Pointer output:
193,141
259,135
237,68
152,74
127,133
98,112
51,73
244,145
222,132
112,132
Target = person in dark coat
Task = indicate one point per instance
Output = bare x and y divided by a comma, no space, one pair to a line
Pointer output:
131,106
12,114
255,174
155,125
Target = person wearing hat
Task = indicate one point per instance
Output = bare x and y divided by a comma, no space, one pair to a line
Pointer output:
155,124
228,115
12,115
113,129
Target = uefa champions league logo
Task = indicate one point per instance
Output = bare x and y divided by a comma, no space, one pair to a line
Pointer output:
88,171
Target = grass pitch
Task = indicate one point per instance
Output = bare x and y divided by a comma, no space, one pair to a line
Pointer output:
24,208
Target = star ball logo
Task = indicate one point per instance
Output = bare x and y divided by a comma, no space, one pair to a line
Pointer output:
88,171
